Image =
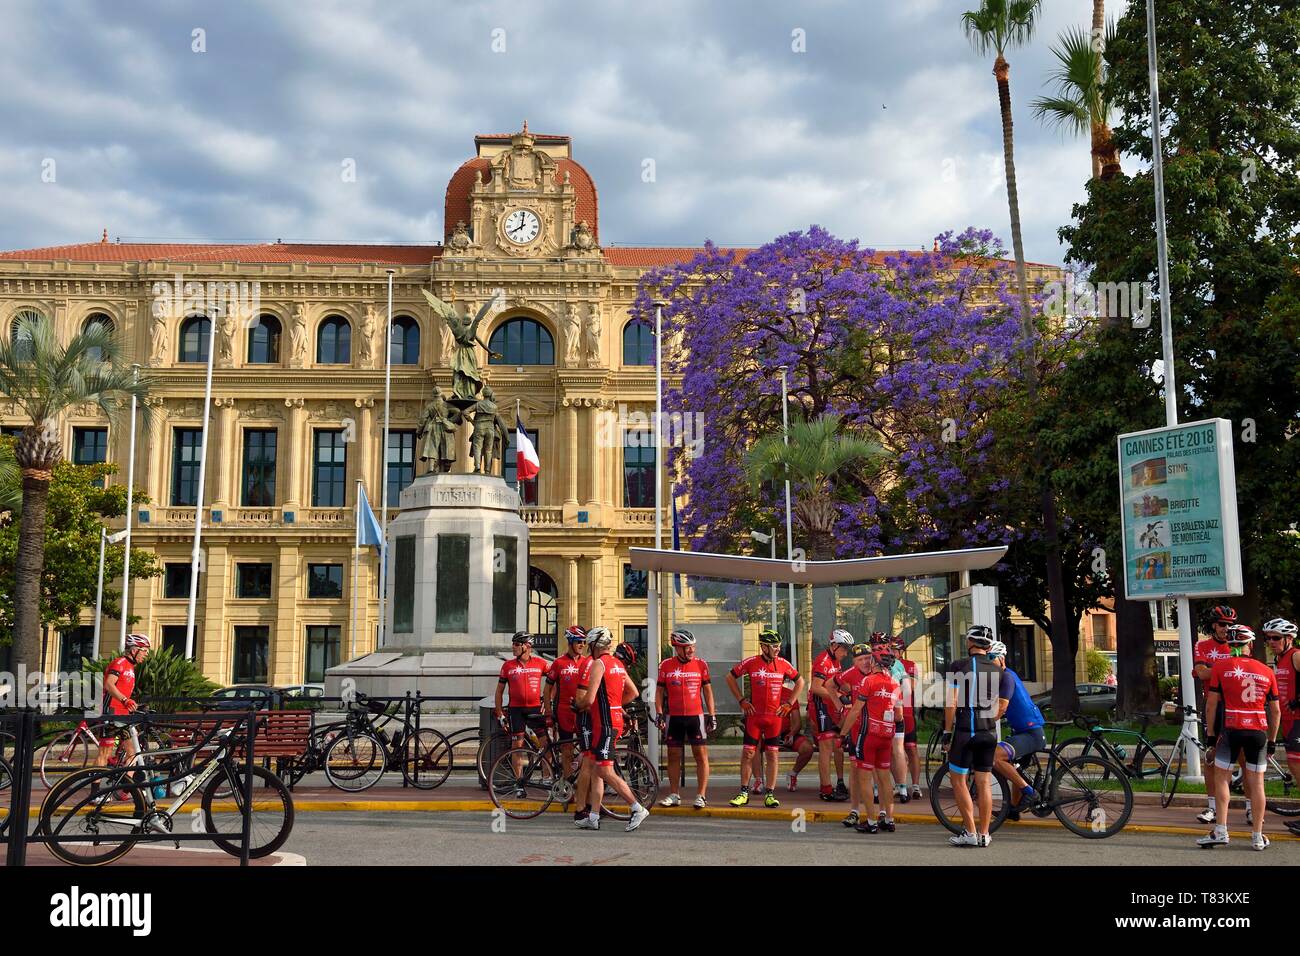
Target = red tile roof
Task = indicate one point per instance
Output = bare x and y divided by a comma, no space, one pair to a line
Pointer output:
653,256
457,206
307,252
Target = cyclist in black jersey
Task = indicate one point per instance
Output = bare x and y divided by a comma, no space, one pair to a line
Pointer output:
970,718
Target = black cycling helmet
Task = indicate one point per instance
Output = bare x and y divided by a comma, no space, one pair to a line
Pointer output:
626,653
981,635
861,650
769,636
1222,614
522,637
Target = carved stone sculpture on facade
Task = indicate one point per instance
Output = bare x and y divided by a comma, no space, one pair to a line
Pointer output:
572,336
366,347
591,337
158,339
298,336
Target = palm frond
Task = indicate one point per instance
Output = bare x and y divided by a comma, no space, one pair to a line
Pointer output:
999,25
1082,97
11,479
817,451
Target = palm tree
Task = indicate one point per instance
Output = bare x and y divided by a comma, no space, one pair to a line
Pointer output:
817,452
45,379
995,27
1082,103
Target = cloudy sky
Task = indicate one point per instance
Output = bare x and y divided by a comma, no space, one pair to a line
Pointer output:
885,128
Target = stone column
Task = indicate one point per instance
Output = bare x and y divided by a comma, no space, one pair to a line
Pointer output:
152,473
227,454
298,460
571,452
366,445
210,636
594,483
595,610
282,657
570,615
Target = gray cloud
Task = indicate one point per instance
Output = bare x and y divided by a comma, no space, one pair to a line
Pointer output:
886,129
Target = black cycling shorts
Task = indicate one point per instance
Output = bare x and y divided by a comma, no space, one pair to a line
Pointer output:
972,752
1251,744
1025,743
1291,740
521,717
686,730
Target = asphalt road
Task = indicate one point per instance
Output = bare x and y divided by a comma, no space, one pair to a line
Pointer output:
395,839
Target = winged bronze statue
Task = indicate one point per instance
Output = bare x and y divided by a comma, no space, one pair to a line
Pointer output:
466,380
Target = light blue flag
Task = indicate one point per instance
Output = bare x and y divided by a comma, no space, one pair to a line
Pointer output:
369,533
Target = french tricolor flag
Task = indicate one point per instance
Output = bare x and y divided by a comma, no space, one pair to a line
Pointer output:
527,464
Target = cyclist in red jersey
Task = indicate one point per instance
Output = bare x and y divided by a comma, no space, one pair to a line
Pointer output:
119,686
1244,691
763,709
846,683
523,676
1281,634
824,713
1204,656
682,694
604,687
872,716
909,689
561,686
793,740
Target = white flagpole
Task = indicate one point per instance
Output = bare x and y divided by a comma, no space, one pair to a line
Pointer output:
130,519
789,533
198,506
99,594
652,590
356,560
383,474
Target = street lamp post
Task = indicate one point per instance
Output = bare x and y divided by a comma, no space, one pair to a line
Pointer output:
130,517
652,585
106,539
789,532
196,554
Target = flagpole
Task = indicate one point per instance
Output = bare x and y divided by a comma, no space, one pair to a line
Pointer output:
198,504
130,515
356,548
789,533
383,476
652,590
99,594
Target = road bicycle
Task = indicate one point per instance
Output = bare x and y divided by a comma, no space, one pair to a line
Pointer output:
110,805
6,793
76,749
363,749
1275,772
636,715
524,782
1089,795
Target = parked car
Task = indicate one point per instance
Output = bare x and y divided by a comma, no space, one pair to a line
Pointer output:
1093,698
268,697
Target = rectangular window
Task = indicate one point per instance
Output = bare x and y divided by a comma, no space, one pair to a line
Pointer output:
638,470
403,585
185,466
11,431
453,583
638,636
505,574
1021,656
527,489
259,467
74,644
173,636
323,643
176,580
401,463
89,446
252,648
329,469
324,580
253,581
636,584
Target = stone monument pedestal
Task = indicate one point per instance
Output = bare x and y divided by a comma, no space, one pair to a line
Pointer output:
457,591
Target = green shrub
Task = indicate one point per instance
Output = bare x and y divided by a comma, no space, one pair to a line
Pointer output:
1169,688
164,674
1096,666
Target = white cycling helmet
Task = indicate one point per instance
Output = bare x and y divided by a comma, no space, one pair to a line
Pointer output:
981,635
841,637
997,649
1279,625
138,640
598,637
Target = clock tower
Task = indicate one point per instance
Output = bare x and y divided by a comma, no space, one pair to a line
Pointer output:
525,198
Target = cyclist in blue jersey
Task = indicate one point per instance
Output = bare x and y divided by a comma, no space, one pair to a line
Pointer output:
1027,735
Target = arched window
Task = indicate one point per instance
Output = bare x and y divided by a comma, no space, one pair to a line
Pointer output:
522,342
96,354
405,346
334,342
21,339
264,341
196,336
638,343
543,610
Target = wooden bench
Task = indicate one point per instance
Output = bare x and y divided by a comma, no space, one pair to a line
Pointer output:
276,733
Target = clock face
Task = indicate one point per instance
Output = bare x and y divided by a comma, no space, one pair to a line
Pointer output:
522,226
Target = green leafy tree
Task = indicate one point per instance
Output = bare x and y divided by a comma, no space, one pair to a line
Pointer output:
46,378
818,454
76,510
1230,101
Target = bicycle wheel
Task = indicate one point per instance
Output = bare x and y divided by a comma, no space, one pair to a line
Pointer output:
426,759
6,793
1091,797
935,758
522,783
943,800
355,762
271,812
98,802
65,754
1173,771
641,777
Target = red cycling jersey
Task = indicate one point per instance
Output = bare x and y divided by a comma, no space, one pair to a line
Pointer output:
607,709
1284,670
880,694
766,681
909,695
563,673
125,671
524,679
1246,686
823,668
1208,651
684,683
